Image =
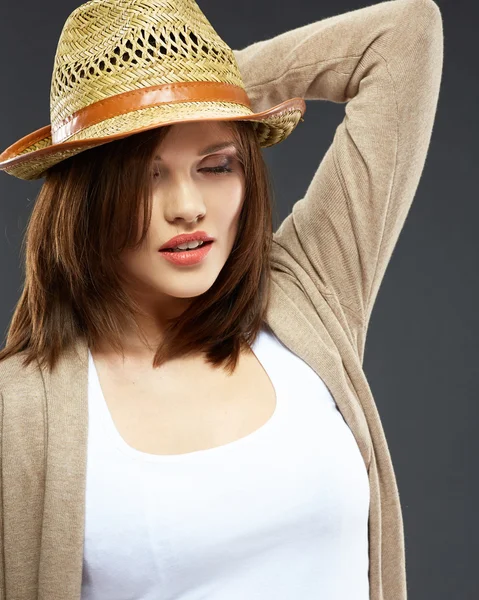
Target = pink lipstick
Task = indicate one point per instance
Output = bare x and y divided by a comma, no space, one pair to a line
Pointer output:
187,257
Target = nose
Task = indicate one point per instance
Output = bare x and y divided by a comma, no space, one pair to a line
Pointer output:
184,202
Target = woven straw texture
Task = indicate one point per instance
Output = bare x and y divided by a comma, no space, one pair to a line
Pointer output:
108,47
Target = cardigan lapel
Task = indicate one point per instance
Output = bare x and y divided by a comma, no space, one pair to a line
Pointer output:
299,326
61,558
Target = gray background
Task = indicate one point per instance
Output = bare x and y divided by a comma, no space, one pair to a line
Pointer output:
422,349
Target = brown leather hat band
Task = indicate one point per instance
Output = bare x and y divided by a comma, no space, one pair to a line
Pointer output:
151,96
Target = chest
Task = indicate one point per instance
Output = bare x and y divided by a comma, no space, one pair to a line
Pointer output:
188,405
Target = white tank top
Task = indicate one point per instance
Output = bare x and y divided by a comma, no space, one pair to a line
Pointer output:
281,513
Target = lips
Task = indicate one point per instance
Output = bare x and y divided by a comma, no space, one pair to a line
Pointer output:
178,240
185,249
186,258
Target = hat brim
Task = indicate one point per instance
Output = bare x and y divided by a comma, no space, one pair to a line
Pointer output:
30,157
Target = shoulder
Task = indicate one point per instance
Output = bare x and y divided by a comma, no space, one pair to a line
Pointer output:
16,376
22,403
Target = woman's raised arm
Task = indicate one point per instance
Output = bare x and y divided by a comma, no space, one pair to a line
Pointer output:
385,61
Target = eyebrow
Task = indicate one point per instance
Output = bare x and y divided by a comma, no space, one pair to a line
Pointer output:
211,148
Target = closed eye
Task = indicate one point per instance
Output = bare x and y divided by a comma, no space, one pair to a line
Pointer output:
217,170
214,170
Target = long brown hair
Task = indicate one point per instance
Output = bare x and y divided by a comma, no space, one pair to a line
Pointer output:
80,224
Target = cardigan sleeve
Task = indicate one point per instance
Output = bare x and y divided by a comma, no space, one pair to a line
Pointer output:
385,62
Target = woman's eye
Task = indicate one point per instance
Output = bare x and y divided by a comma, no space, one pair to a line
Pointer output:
214,170
217,170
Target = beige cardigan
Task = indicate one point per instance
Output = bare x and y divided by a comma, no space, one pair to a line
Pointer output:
329,258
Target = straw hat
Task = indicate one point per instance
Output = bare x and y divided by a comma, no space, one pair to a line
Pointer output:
125,66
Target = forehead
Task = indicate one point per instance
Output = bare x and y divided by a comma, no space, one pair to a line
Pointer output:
199,137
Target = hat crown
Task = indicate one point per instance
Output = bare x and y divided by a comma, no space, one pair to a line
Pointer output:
108,47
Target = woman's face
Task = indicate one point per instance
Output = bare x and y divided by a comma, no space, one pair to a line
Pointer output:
188,198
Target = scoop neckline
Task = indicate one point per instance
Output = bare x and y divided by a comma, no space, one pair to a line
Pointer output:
114,435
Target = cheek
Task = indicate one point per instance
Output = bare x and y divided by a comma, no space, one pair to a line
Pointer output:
228,212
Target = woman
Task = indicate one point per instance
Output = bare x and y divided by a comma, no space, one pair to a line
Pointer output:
197,423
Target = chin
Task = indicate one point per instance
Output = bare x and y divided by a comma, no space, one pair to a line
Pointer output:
188,289
188,293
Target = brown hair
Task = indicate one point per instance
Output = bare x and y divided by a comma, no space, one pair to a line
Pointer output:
80,224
